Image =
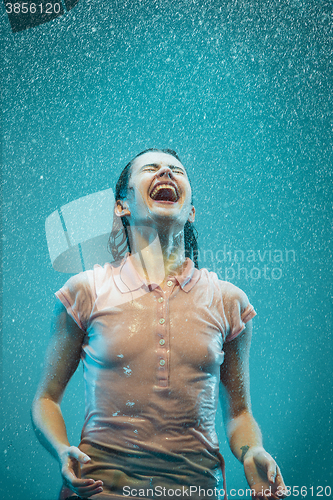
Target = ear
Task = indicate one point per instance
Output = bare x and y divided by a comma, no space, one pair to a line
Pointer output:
192,215
121,208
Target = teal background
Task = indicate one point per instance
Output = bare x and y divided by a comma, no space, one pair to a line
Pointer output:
240,89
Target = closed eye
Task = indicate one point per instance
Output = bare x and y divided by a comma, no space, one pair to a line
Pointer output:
150,168
173,168
177,170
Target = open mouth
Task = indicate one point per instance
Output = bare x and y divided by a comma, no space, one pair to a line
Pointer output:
165,192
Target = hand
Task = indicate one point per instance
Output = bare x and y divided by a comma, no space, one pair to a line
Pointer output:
263,474
70,460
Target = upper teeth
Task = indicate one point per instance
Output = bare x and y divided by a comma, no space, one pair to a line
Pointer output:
163,186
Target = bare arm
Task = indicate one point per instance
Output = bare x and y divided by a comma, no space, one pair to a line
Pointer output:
62,359
242,430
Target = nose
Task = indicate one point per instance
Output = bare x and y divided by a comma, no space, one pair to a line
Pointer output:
165,172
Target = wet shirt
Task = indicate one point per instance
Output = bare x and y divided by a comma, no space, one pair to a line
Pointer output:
152,355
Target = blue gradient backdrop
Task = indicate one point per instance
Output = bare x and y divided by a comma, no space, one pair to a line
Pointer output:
240,89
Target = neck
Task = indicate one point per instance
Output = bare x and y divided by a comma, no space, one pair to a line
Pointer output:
157,254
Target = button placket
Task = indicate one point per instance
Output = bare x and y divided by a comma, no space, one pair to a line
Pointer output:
161,339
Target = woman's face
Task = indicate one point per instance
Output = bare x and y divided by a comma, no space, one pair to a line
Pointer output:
159,190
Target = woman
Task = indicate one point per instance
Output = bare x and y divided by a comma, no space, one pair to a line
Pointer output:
150,329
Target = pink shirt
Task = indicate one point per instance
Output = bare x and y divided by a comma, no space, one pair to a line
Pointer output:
152,360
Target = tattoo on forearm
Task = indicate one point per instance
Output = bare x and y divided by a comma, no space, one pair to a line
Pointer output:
244,450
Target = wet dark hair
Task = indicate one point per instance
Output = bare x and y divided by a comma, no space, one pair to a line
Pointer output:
119,236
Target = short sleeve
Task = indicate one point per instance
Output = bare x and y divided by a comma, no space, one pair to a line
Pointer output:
77,295
238,310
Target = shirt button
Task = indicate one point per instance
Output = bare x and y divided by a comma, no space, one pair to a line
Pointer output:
162,321
162,362
160,299
169,283
162,342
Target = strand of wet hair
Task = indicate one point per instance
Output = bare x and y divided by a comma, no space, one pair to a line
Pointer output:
191,242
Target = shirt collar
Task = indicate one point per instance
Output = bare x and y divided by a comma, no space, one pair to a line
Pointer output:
127,278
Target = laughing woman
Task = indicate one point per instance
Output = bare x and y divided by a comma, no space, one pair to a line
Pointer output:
157,337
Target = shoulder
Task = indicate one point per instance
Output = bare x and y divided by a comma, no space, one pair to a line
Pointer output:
228,291
88,279
231,293
85,284
81,281
79,293
237,308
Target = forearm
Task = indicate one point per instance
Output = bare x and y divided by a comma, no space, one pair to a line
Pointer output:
243,433
49,426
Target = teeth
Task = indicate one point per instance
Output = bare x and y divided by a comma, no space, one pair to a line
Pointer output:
163,186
